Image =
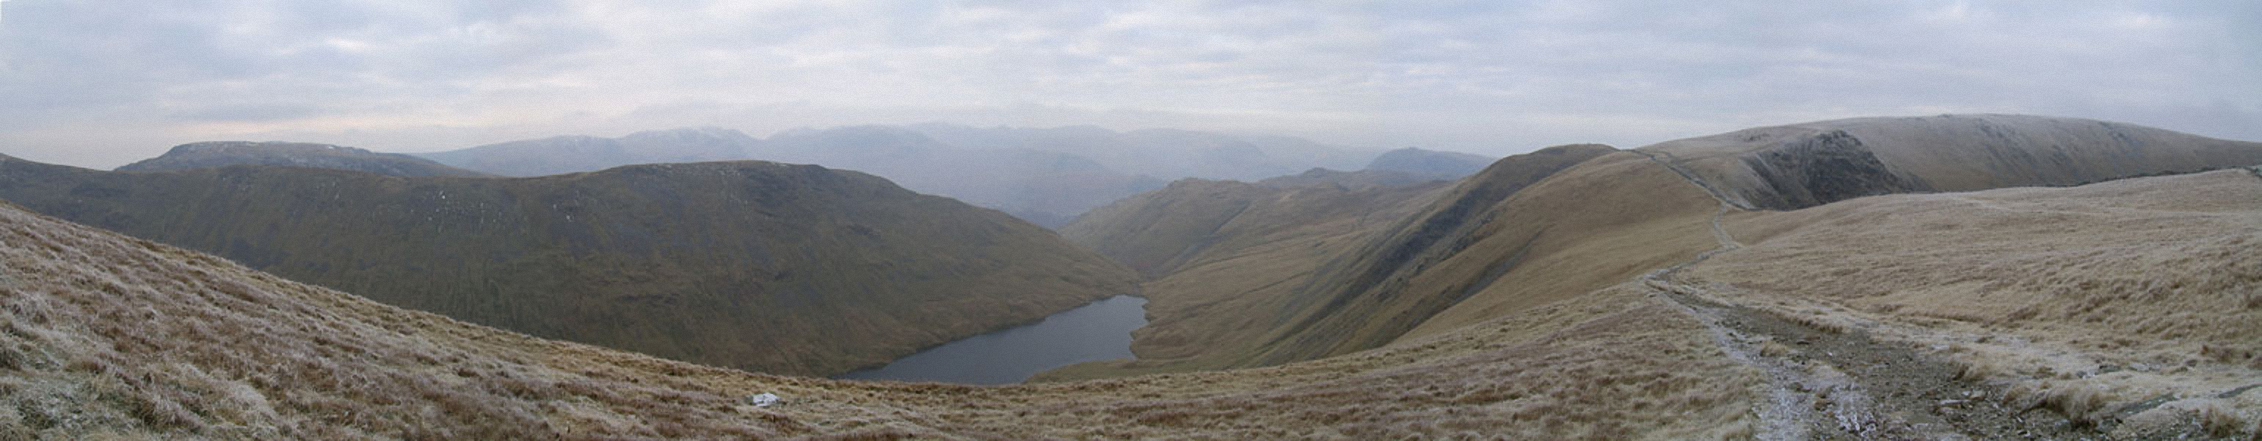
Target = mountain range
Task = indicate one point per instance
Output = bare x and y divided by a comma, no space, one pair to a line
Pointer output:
1047,176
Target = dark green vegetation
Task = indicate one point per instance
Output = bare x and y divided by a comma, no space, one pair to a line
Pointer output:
291,154
762,266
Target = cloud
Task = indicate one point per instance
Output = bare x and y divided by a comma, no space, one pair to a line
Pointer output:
1494,77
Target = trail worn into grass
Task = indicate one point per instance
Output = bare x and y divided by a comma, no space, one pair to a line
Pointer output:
1841,383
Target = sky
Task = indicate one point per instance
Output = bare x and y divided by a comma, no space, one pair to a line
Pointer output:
100,83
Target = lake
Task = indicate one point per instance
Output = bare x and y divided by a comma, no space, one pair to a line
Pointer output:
1096,332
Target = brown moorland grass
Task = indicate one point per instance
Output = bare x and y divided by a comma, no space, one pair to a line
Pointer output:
2125,300
107,335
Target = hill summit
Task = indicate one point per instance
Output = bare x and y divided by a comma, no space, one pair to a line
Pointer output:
291,154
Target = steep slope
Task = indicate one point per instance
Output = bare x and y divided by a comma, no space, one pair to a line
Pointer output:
1804,165
1297,265
109,336
289,154
762,266
1529,232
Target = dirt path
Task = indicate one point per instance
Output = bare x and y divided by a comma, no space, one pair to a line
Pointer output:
1833,384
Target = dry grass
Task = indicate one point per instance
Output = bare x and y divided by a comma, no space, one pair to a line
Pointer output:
105,335
2079,300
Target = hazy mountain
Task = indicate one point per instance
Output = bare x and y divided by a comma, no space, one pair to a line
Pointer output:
770,267
1044,186
571,154
1429,163
1162,153
289,154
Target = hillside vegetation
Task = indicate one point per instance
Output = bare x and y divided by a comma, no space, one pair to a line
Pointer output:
110,336
1580,292
1538,228
761,266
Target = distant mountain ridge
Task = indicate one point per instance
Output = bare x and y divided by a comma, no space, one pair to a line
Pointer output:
1449,165
292,154
1047,176
777,268
575,154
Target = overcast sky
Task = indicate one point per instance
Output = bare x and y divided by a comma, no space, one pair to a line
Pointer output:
99,83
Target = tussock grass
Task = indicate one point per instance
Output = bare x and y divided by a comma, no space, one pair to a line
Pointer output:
2081,301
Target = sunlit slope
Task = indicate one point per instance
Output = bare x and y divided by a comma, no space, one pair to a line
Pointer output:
763,266
106,335
1236,252
1803,165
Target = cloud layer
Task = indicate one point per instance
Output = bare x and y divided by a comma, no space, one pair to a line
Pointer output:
104,82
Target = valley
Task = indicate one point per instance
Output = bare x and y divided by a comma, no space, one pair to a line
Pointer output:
1950,277
770,267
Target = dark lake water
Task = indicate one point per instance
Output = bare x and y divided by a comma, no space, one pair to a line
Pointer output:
1096,332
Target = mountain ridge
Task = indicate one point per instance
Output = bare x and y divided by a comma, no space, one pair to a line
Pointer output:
230,153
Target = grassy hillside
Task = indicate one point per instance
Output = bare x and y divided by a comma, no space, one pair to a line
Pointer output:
1291,280
1536,229
762,266
1804,165
1226,255
289,154
111,336
1782,333
2132,307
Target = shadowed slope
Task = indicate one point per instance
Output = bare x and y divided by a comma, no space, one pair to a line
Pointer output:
763,266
